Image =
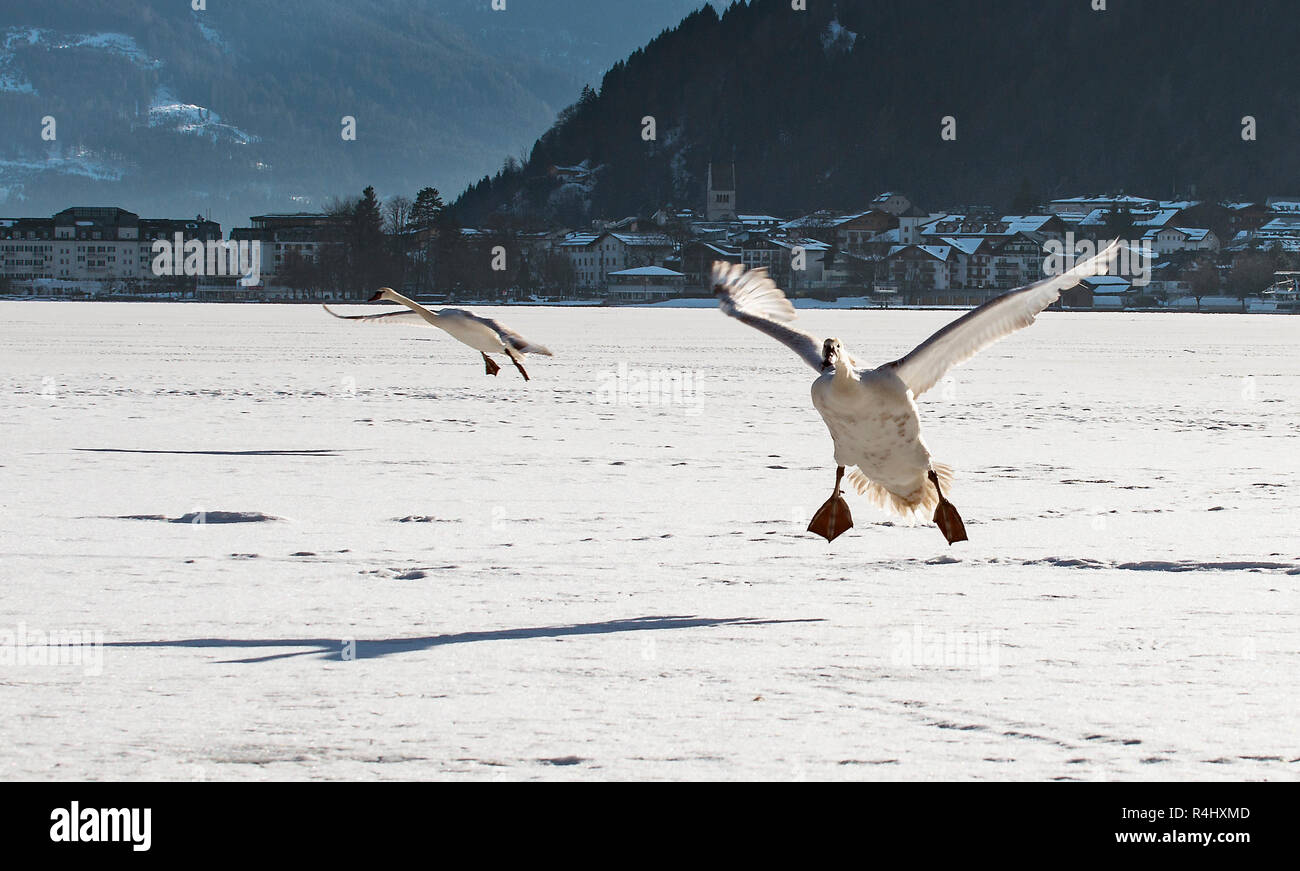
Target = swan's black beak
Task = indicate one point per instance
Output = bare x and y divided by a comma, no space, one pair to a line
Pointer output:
377,297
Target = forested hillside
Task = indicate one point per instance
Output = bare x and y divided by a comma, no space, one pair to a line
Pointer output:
824,107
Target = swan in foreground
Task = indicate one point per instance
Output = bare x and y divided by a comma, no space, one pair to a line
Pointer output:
871,413
484,335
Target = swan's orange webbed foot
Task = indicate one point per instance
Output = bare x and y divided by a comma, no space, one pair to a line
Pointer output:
833,519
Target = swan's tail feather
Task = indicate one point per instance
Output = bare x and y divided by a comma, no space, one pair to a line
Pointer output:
917,506
523,346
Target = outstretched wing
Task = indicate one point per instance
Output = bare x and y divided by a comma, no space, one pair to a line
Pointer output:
982,326
405,317
752,298
508,336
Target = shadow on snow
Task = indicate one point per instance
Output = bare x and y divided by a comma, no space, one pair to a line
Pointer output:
333,648
306,452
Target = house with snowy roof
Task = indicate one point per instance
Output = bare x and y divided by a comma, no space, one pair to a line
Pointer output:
1282,231
1012,253
1017,260
1005,227
698,257
1249,216
1095,224
1284,205
914,269
1099,292
849,232
1085,205
973,258
645,284
1282,225
852,232
892,202
1169,240
779,255
802,262
1168,280
595,255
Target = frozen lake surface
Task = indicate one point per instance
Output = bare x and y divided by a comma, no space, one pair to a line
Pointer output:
381,563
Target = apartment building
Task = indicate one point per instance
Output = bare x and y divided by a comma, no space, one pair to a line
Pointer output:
88,249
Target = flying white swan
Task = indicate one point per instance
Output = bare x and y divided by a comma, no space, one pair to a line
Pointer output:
484,335
871,413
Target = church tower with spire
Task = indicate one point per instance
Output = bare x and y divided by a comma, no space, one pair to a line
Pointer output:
720,200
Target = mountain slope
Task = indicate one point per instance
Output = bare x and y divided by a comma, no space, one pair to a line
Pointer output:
827,106
238,108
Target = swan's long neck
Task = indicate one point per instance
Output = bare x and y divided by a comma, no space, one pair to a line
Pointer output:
430,316
843,369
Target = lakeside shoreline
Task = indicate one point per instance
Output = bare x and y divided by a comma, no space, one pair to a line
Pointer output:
687,303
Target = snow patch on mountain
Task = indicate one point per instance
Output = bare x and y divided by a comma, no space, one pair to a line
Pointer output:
12,80
15,83
84,162
13,39
838,37
211,35
113,43
208,32
168,112
14,35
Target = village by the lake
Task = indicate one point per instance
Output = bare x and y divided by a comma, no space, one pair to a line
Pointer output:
1188,254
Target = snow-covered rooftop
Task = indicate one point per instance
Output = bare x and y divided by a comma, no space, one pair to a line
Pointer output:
806,244
1111,283
1141,217
649,272
938,252
653,240
968,245
1193,234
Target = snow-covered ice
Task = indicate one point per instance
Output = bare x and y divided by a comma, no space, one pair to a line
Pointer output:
321,551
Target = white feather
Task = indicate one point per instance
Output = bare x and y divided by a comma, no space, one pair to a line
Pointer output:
754,299
751,292
962,339
480,333
871,413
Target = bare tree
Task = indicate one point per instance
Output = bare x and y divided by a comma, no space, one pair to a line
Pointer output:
299,274
397,215
342,206
557,273
1251,273
1203,278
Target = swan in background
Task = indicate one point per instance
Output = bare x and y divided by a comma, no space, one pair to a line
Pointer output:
871,413
484,335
